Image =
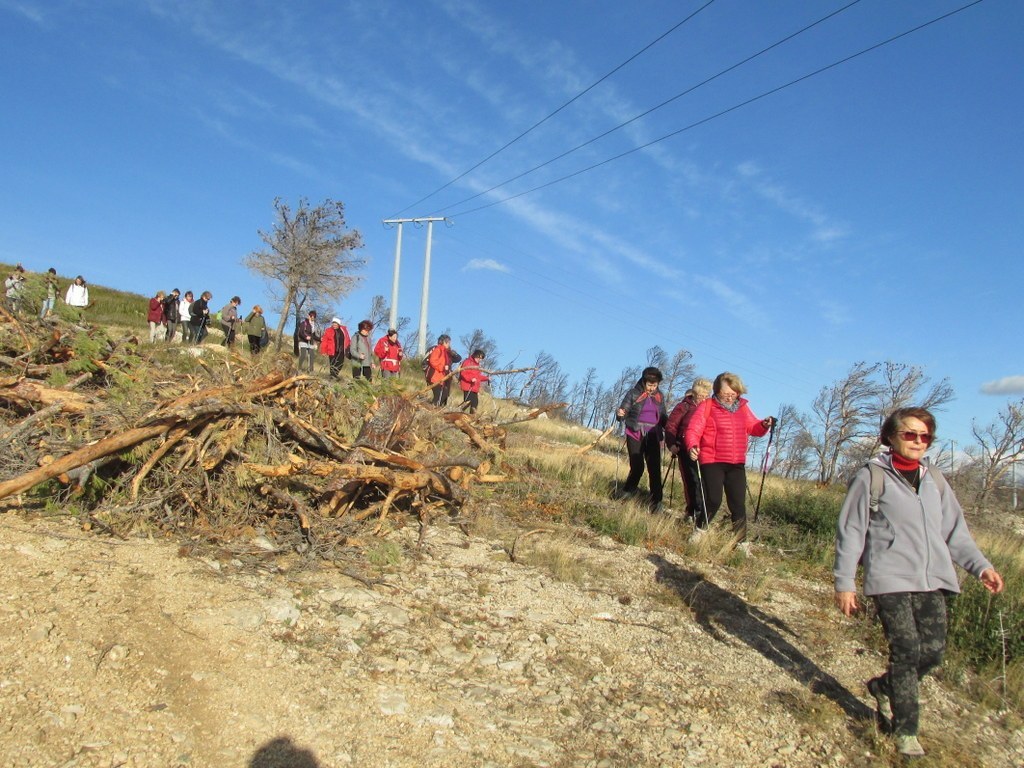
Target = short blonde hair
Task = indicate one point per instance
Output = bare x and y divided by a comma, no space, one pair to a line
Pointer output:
702,387
733,380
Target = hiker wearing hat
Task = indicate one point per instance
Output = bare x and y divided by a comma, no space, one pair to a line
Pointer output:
902,522
361,353
388,350
308,336
643,415
335,345
717,438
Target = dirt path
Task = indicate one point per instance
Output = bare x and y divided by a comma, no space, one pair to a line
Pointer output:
126,654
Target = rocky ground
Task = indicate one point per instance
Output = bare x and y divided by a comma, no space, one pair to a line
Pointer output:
127,653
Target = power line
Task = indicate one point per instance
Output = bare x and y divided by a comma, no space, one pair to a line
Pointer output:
563,106
644,114
722,113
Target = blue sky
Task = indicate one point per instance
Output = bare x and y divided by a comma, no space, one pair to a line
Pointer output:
870,212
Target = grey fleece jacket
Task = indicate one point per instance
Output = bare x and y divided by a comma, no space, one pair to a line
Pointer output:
910,543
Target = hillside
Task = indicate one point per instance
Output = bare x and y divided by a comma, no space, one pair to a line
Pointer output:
506,632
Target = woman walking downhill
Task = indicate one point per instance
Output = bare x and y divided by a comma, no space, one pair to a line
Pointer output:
717,438
643,415
78,296
903,523
675,441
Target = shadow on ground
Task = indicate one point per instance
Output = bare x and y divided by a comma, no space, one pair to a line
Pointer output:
282,753
722,614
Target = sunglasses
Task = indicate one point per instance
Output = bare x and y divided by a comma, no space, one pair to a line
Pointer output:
913,437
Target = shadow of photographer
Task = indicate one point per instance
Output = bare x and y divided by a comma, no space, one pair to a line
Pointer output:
282,753
722,614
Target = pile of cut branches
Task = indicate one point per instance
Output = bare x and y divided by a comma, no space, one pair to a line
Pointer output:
219,448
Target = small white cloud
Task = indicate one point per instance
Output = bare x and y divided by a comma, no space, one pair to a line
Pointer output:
490,264
29,10
1008,385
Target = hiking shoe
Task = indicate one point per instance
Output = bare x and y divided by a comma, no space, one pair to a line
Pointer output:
744,547
882,703
698,534
909,746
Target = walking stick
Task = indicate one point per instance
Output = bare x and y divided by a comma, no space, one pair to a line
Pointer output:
664,479
764,468
703,498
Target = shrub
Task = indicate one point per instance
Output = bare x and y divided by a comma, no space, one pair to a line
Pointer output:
811,510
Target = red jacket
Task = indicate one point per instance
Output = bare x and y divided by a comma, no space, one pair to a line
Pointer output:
679,420
722,434
156,310
440,360
329,342
470,375
390,354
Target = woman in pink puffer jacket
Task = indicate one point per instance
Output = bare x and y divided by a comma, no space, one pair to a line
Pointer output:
716,438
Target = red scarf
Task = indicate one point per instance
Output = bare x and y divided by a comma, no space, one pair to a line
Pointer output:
904,465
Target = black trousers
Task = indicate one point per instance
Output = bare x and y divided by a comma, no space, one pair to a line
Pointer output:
470,401
646,450
691,483
732,479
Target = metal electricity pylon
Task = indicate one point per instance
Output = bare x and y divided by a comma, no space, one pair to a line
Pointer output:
393,317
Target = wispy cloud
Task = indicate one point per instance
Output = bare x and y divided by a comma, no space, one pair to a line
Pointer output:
1008,385
739,305
824,229
30,11
489,264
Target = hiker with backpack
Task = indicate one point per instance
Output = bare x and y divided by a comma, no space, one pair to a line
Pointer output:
255,326
436,368
643,415
903,523
675,441
717,438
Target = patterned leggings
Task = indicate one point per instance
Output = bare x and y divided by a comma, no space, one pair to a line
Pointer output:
915,626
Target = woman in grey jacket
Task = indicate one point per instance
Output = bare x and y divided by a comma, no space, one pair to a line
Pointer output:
907,531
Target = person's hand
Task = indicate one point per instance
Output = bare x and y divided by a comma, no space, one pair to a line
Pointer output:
621,412
694,452
846,602
674,449
992,580
768,423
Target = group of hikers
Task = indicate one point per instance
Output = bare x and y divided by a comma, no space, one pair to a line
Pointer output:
900,521
16,290
386,355
173,310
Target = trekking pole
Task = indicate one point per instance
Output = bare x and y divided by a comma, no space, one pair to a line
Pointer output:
703,498
672,486
764,468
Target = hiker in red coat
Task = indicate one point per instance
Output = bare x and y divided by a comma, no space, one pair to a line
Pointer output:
440,363
675,438
388,350
334,344
470,378
717,438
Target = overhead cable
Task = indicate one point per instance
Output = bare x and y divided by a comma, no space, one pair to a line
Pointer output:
633,119
552,114
715,116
